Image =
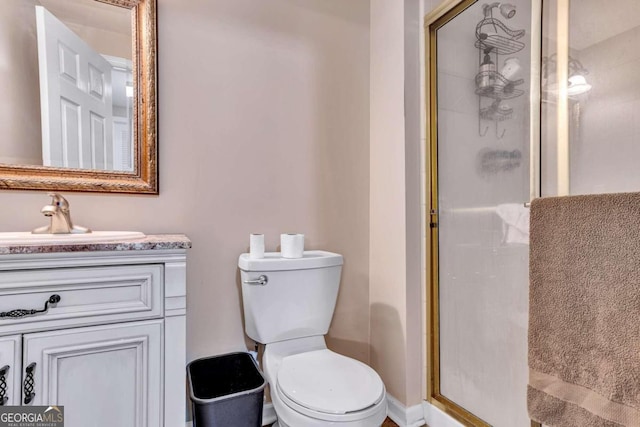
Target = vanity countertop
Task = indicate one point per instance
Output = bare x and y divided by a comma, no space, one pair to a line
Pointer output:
146,243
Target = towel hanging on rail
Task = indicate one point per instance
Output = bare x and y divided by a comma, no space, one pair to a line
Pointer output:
584,311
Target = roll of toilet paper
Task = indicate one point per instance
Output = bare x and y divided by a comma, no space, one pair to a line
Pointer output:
256,246
292,245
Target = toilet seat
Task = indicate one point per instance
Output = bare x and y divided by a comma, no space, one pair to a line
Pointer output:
326,385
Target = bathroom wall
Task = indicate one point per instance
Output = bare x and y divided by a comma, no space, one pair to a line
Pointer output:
265,113
395,285
264,127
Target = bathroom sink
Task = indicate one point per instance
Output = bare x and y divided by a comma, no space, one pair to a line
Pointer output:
28,238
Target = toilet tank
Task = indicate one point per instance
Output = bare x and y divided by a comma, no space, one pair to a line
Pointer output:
298,299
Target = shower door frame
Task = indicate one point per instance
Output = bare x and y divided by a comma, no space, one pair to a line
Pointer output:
436,19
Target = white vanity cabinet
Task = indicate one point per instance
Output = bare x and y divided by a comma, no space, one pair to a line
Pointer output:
11,373
112,349
107,375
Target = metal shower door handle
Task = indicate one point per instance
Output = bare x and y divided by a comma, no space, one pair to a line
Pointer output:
262,280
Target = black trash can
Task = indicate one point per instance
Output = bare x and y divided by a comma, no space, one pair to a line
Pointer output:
226,391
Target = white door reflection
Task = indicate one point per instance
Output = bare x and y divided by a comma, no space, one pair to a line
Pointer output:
122,97
85,108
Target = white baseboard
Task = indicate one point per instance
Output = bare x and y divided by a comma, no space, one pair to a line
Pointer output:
412,416
434,417
268,415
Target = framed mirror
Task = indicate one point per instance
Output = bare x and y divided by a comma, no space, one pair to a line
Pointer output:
80,107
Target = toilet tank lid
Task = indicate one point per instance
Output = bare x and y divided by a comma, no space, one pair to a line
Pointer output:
273,261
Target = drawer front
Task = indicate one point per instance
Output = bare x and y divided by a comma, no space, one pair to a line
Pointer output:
87,296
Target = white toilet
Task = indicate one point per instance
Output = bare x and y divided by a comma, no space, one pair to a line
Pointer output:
288,305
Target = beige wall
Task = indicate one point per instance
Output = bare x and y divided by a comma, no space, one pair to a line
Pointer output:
394,261
414,166
264,127
265,112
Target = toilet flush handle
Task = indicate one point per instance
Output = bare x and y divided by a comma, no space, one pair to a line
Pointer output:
262,280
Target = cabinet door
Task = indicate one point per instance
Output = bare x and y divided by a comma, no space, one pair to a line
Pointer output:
10,369
104,376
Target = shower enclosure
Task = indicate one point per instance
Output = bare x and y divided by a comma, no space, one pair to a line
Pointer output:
525,99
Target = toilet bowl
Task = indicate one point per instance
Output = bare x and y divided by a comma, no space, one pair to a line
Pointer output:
312,386
288,306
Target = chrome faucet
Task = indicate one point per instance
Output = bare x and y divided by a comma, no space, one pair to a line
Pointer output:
60,216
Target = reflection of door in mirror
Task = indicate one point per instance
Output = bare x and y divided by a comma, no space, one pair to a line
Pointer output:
84,91
122,97
75,98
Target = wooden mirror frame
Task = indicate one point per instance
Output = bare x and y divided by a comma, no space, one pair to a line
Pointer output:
144,179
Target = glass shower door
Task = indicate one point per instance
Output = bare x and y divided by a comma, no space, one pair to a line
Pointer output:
586,82
480,158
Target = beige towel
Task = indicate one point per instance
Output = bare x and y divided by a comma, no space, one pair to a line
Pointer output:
584,311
